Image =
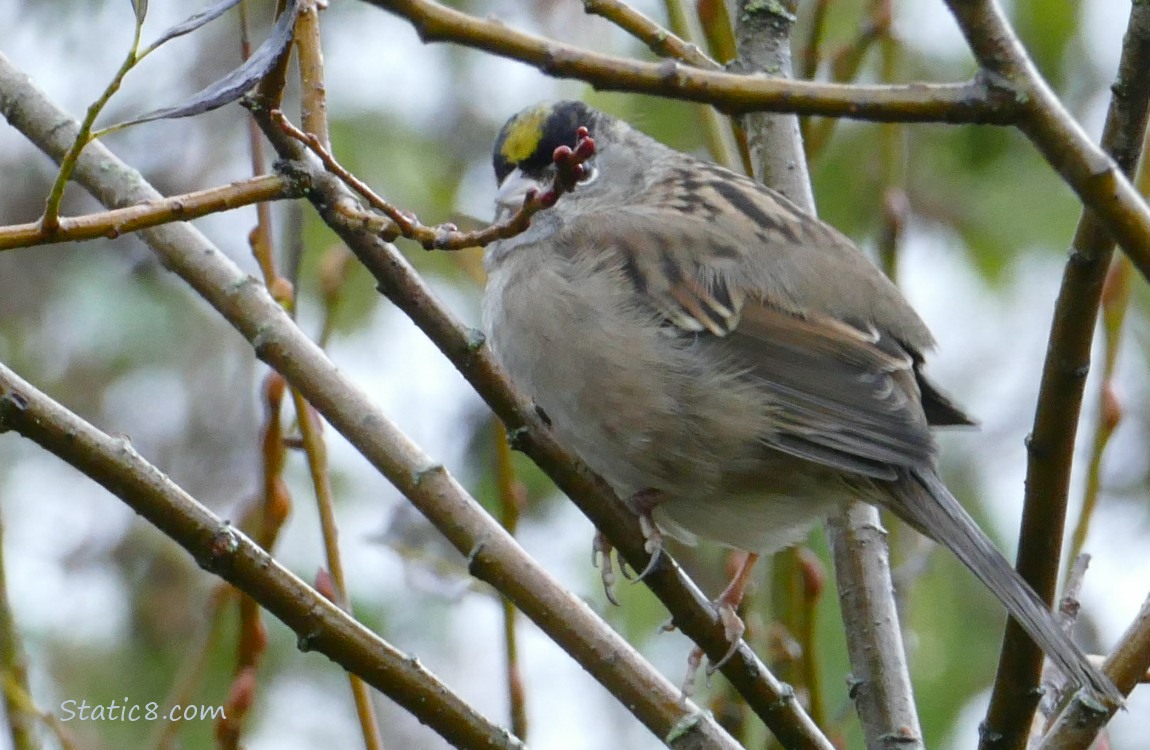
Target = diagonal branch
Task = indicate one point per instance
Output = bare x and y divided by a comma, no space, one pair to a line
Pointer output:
1100,182
691,611
120,221
221,549
493,555
1080,723
660,41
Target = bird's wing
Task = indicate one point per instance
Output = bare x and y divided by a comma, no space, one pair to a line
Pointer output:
841,392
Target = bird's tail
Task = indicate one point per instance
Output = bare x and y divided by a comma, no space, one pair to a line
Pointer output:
921,499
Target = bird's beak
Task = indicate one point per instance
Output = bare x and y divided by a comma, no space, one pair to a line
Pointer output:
513,191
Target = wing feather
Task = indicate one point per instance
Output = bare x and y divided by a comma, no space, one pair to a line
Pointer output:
839,389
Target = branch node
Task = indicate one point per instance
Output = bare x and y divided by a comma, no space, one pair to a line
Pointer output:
225,542
11,403
786,697
517,438
419,475
475,340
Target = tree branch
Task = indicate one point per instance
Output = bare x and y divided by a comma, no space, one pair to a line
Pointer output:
883,695
658,39
1100,183
221,549
121,221
1078,725
916,102
1051,443
493,555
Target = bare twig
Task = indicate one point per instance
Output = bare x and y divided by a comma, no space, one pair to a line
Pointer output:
1127,665
50,218
121,221
313,94
1115,300
316,450
510,505
974,101
569,161
661,41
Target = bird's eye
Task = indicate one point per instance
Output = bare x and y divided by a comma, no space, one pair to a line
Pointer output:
590,174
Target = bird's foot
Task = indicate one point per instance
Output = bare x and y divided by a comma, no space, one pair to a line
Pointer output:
726,609
643,503
601,558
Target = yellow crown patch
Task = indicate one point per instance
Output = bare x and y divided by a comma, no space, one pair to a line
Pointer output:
524,134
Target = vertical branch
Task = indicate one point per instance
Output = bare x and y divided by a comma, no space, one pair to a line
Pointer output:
1051,442
763,39
510,505
883,696
316,450
14,671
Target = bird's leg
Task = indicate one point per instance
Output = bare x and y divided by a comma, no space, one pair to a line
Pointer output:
643,503
726,607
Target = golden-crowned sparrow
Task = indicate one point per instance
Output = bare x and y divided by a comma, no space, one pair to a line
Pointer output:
732,362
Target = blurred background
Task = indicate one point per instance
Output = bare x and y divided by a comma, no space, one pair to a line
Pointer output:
107,606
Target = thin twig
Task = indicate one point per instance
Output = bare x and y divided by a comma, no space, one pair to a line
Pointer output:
50,219
662,42
568,159
510,506
1078,725
1115,301
121,221
316,451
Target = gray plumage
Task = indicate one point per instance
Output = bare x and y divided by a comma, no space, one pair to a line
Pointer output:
692,332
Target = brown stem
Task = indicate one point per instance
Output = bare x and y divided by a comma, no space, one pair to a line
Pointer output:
1113,211
153,213
731,93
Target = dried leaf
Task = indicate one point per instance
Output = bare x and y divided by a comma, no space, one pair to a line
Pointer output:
193,22
236,83
141,9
